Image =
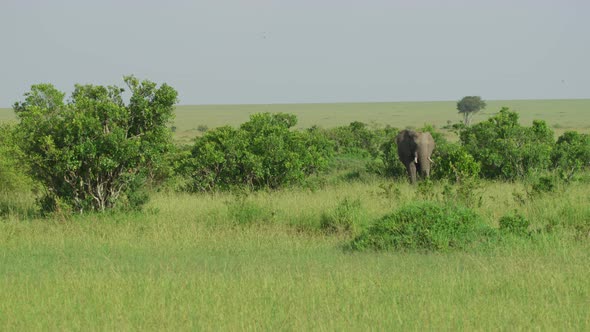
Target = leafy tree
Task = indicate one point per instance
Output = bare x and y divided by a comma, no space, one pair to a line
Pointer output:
468,106
94,150
572,153
507,150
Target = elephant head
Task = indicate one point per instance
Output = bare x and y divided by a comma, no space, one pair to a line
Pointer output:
414,150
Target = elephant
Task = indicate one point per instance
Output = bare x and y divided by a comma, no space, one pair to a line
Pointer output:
414,150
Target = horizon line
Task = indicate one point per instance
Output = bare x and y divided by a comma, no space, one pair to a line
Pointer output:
364,102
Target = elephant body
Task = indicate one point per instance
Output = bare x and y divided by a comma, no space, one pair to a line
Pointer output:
414,150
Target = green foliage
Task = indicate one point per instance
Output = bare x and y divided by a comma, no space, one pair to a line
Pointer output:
347,217
425,190
262,153
571,153
514,223
390,191
13,172
89,152
356,138
16,186
454,163
507,150
544,184
468,106
424,225
438,137
469,192
392,166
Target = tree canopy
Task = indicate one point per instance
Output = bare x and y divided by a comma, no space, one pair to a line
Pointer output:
91,151
468,106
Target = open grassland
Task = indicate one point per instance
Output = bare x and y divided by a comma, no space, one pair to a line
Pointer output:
260,262
570,114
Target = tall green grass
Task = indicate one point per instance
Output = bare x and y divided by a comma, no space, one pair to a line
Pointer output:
263,262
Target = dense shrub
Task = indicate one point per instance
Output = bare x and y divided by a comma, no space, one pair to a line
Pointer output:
571,153
388,163
15,185
507,150
93,151
347,217
424,225
453,162
543,184
356,138
262,153
514,223
13,172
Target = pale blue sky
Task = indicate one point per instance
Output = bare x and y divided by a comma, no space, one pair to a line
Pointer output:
263,51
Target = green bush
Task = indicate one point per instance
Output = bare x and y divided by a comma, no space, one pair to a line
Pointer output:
356,138
454,163
347,217
514,223
544,184
16,186
507,150
262,153
88,152
571,153
392,166
13,172
424,225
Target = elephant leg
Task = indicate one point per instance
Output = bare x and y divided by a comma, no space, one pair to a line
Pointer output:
412,172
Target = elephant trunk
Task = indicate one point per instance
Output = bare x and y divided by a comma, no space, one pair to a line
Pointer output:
424,162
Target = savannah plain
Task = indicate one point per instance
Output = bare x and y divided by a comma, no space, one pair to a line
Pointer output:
229,261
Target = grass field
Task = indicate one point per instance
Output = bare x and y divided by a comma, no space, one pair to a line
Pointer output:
190,262
261,261
571,114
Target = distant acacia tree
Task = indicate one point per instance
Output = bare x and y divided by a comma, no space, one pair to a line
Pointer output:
468,106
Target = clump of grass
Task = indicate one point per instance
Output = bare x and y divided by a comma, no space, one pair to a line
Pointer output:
244,212
202,128
347,217
424,225
544,184
569,218
18,205
514,223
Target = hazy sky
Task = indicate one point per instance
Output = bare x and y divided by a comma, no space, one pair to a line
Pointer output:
290,51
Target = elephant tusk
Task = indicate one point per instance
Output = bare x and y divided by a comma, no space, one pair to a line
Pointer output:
430,160
416,160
